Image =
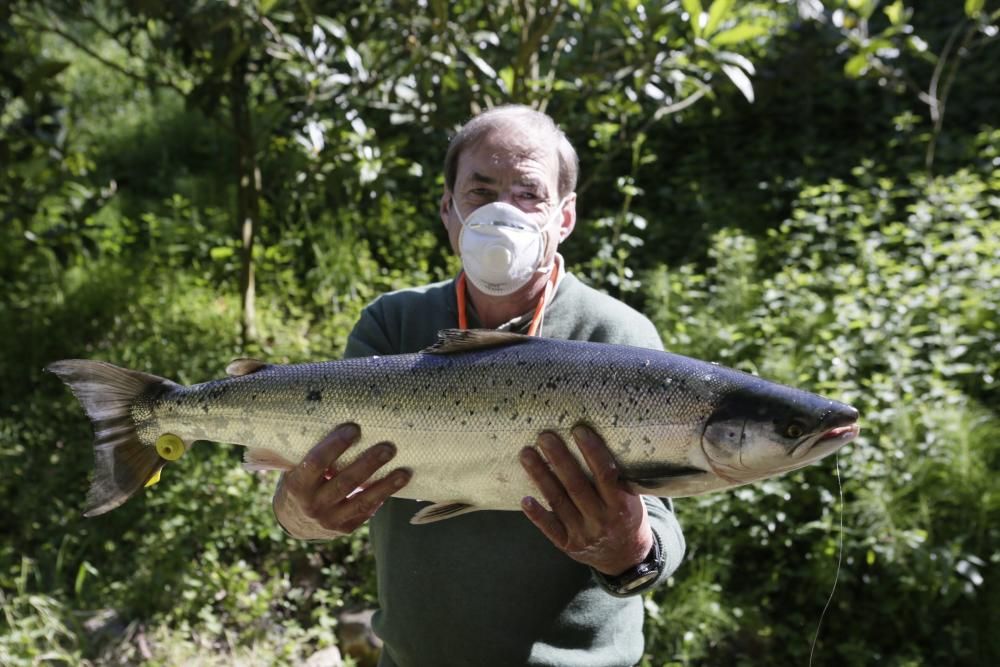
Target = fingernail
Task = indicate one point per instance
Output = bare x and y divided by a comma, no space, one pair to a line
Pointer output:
349,431
580,432
386,452
401,479
527,502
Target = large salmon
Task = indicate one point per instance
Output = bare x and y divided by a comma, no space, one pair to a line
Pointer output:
460,412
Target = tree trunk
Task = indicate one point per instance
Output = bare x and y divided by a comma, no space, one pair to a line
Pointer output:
247,192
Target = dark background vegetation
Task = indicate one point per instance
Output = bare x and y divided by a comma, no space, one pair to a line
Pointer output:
807,190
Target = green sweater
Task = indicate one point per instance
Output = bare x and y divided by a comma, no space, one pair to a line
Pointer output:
488,588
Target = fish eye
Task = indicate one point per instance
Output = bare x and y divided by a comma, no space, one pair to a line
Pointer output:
794,430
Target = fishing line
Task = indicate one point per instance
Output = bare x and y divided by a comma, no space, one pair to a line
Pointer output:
840,561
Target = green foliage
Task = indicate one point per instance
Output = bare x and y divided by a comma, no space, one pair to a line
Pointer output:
882,293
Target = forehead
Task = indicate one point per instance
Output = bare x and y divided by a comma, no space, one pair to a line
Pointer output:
504,156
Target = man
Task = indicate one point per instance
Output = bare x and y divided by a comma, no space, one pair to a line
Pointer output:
552,586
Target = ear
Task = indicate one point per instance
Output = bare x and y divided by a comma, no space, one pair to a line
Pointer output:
568,222
450,222
444,207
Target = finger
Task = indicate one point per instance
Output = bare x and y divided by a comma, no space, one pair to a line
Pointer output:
356,474
572,476
308,475
602,464
545,521
362,505
552,489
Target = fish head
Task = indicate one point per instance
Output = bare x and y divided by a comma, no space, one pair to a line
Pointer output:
770,429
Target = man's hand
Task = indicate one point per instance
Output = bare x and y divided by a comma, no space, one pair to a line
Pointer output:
316,500
600,523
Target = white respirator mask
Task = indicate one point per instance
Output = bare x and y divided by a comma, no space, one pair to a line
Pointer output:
501,247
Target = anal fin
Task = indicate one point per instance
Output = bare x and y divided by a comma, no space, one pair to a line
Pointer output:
442,511
258,459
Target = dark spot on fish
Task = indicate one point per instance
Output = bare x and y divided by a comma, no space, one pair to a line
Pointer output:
528,419
550,384
496,408
204,408
314,395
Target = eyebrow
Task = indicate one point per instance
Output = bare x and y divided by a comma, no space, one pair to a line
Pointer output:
482,178
527,182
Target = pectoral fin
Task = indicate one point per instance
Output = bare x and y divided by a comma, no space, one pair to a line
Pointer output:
666,479
441,511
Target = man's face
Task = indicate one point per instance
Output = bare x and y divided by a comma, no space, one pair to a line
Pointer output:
517,171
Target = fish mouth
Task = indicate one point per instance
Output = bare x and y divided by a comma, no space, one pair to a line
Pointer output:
826,442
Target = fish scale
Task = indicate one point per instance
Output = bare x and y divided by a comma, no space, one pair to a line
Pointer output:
472,412
460,412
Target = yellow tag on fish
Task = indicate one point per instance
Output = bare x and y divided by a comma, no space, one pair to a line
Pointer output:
153,479
170,447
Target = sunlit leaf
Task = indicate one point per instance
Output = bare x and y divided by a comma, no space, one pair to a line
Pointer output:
694,10
736,59
716,13
740,80
895,12
856,65
740,33
974,7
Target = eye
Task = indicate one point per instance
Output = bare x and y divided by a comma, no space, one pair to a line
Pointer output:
794,430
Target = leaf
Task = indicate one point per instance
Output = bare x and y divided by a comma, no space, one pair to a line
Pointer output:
481,64
740,33
717,12
736,59
856,66
973,8
740,80
335,28
693,8
49,68
895,12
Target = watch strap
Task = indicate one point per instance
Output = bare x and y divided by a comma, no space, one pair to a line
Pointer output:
636,579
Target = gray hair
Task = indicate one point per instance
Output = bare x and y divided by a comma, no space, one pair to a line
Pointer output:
514,117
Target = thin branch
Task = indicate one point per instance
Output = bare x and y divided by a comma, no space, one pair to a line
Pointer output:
75,41
660,113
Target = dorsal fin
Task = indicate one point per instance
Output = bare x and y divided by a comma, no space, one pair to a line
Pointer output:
238,367
463,340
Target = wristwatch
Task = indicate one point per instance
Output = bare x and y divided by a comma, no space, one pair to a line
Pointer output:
638,578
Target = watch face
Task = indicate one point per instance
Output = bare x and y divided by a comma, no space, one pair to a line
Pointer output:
641,580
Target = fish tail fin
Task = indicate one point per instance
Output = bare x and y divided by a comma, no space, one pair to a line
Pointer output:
122,463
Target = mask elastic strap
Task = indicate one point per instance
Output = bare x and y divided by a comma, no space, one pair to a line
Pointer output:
536,320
